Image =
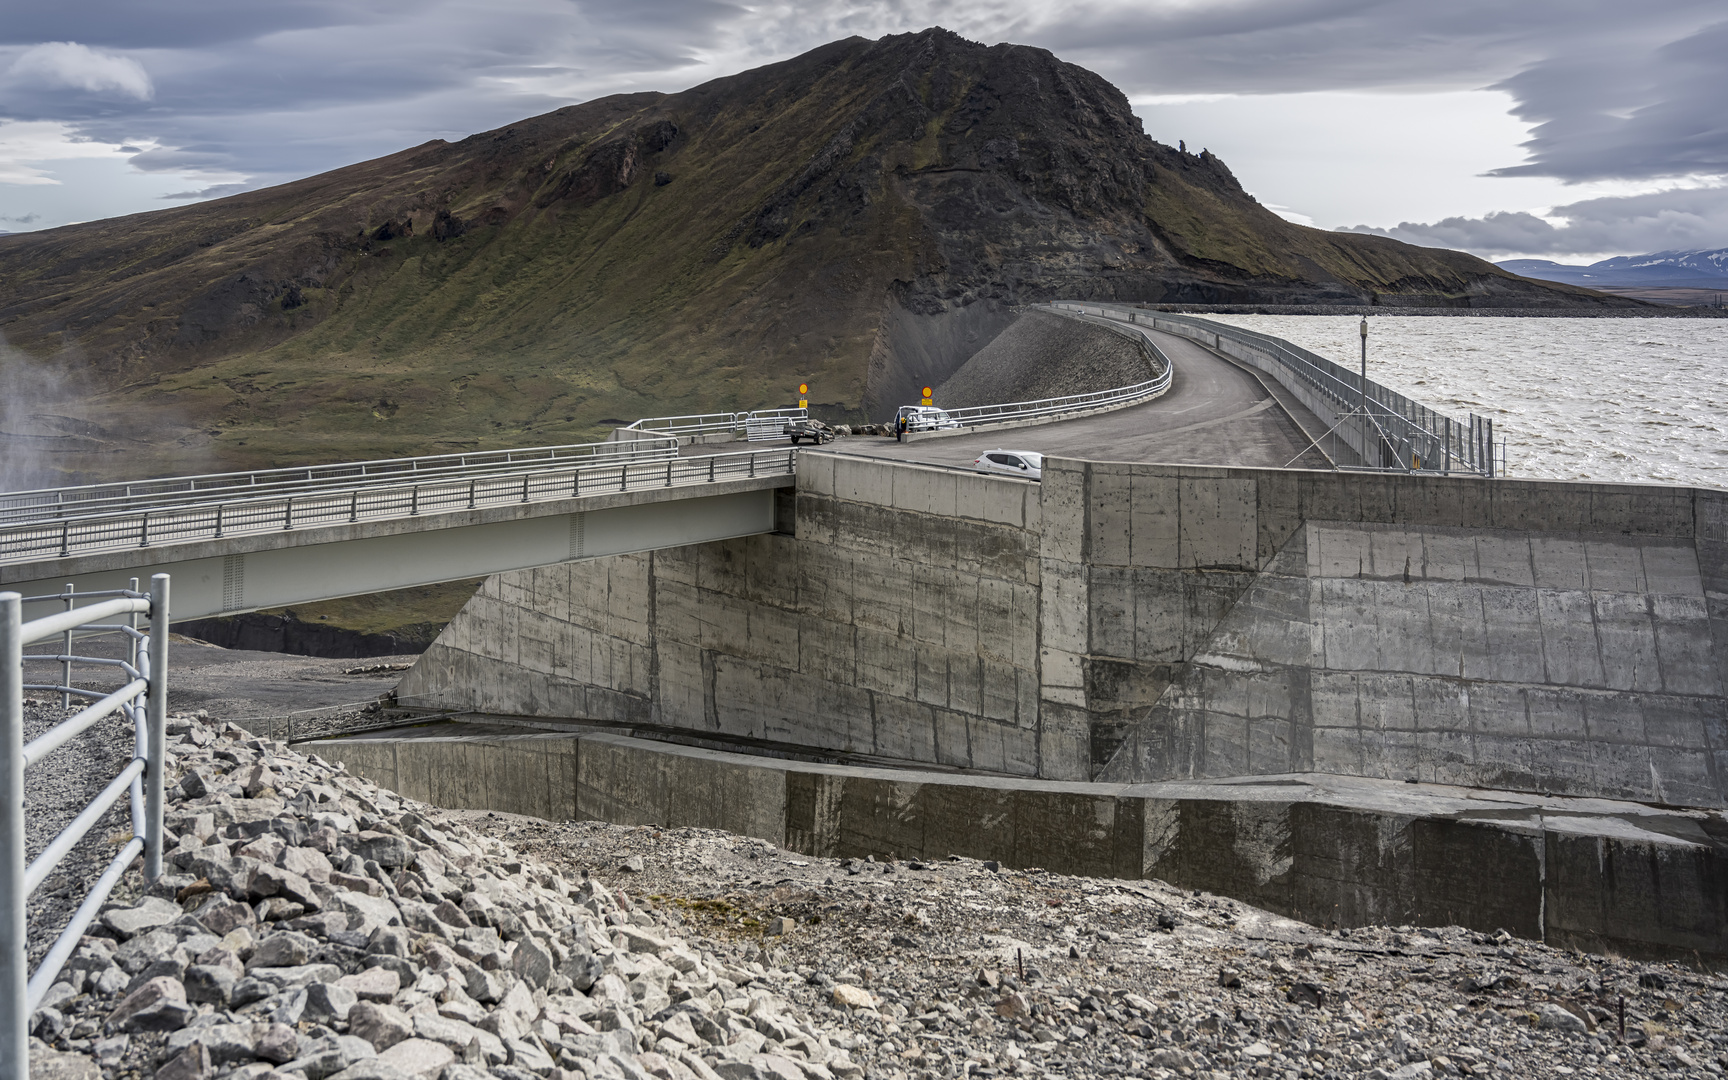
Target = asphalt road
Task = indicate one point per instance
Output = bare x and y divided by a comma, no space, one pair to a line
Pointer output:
1215,413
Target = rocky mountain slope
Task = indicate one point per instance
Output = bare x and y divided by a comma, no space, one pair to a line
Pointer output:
863,217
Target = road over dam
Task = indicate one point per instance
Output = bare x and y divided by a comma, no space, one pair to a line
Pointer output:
1216,412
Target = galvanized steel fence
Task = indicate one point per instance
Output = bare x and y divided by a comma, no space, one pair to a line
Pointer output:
757,425
1397,435
56,531
143,699
1096,401
215,487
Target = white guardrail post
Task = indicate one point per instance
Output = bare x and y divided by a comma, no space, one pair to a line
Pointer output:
143,698
156,727
14,1032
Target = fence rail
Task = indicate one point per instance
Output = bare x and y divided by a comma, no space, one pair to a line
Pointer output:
757,425
59,537
1398,434
92,499
1118,397
143,699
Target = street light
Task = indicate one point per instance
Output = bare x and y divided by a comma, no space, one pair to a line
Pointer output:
1364,331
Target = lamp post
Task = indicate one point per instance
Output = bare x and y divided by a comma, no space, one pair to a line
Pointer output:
1364,331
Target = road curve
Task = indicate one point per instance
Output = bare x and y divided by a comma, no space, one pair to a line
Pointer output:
1215,413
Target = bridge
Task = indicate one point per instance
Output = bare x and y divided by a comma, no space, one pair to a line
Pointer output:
235,542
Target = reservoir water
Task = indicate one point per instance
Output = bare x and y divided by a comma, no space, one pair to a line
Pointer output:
1637,400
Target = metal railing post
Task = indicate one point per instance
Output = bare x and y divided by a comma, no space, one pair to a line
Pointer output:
66,651
156,715
140,719
14,1014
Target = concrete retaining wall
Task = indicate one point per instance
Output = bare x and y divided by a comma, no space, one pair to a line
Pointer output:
1328,850
900,621
1135,623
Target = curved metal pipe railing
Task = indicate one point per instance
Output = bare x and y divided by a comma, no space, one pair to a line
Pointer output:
757,425
143,700
1096,401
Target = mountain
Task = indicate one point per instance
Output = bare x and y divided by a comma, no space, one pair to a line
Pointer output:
1697,269
863,217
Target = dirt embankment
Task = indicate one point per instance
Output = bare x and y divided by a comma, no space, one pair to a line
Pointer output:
1043,355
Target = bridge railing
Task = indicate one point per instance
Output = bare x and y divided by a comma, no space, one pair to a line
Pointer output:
143,700
1115,398
757,425
89,499
1398,435
408,496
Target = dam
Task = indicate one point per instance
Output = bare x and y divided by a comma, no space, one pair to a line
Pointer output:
1377,687
1347,696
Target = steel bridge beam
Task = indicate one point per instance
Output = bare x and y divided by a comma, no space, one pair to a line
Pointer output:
224,577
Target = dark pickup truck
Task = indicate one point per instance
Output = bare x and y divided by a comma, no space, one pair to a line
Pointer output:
814,430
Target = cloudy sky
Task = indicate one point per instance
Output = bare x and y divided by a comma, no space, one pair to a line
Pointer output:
1565,129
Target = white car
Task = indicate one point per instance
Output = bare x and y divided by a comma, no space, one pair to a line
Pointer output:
926,418
1026,464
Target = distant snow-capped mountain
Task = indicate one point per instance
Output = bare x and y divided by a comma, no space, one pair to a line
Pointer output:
1699,269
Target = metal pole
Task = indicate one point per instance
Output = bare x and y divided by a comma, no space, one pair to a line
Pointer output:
140,724
157,708
1364,330
14,1042
66,651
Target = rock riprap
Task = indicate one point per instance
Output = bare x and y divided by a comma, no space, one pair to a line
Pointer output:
317,926
314,926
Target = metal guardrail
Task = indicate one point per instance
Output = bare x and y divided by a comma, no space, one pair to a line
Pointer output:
757,425
144,700
1119,397
55,536
103,498
1398,435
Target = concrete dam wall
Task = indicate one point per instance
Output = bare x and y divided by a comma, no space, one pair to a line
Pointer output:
1135,623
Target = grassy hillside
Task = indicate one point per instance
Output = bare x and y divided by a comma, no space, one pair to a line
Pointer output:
861,218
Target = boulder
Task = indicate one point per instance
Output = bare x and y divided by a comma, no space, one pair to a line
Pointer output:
157,1005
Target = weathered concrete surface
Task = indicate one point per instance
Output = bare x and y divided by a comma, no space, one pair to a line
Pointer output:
1328,849
1131,622
900,622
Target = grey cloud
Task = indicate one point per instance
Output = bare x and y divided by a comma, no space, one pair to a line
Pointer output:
298,86
1626,114
1663,221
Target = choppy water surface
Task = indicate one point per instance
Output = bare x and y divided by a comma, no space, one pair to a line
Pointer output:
1639,400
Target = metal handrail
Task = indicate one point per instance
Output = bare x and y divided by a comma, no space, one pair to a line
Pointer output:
144,701
1397,435
59,537
57,503
771,423
1115,398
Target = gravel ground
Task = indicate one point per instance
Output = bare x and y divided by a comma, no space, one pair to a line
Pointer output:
57,791
1042,355
897,969
984,971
